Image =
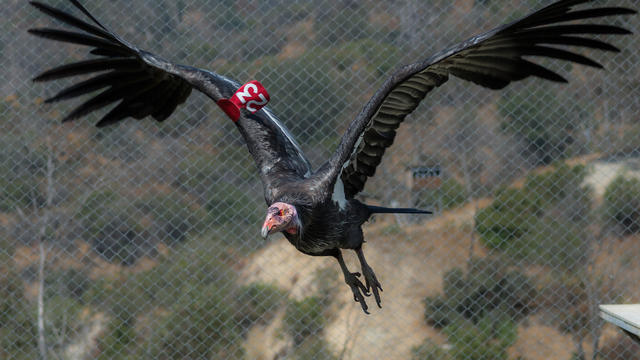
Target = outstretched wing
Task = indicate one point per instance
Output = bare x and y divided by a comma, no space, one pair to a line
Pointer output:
493,60
142,84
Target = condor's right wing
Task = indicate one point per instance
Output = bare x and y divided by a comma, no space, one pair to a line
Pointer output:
141,84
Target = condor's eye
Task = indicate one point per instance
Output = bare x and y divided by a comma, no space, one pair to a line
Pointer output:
281,212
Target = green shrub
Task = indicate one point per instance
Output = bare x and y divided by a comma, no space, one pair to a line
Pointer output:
172,216
304,318
542,121
488,285
17,319
201,326
122,231
219,190
22,169
113,344
61,316
377,56
544,221
565,297
229,204
126,297
19,192
172,280
11,294
189,305
257,302
512,214
110,228
71,283
556,242
325,285
621,206
563,187
201,171
439,312
488,339
119,142
628,143
341,24
198,172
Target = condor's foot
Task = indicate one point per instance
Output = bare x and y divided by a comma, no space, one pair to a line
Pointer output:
370,278
357,287
372,283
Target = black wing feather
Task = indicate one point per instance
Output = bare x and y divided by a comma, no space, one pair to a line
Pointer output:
96,83
580,15
560,40
108,97
88,67
74,38
72,20
139,84
109,52
493,60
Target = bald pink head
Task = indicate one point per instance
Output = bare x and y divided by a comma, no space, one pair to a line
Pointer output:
281,217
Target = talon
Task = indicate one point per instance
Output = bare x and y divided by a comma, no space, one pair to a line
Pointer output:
358,289
364,305
370,279
372,283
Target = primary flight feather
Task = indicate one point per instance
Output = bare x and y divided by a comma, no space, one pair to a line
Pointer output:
316,209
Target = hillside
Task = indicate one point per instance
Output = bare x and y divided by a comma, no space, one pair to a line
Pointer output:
410,273
141,240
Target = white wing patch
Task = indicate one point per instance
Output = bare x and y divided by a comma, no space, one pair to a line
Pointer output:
338,194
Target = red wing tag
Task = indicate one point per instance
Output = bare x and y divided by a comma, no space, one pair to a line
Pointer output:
252,96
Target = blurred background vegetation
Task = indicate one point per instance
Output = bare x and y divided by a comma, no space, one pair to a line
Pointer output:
147,229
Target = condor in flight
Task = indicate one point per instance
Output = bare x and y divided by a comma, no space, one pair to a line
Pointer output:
315,209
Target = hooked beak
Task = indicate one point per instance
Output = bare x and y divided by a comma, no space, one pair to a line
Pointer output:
266,228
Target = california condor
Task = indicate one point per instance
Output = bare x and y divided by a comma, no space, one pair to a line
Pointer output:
316,210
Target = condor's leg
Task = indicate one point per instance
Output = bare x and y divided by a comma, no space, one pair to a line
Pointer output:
357,287
369,277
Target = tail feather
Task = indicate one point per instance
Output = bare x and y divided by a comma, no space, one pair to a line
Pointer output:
386,210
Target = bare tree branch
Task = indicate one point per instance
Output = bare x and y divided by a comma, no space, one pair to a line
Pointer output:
44,223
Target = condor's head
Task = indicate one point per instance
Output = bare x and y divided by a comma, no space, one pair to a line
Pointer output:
281,217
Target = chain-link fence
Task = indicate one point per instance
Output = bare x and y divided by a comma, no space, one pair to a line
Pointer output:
142,240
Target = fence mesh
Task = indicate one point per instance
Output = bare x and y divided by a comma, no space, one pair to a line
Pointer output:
142,240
